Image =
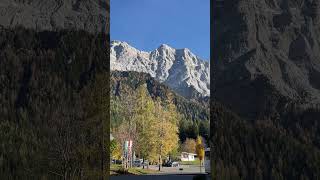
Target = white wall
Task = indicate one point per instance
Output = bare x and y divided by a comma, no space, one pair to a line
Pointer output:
188,157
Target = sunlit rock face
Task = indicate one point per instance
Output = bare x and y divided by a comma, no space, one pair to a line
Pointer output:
267,55
180,69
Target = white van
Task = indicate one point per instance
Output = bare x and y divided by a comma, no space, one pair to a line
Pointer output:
207,165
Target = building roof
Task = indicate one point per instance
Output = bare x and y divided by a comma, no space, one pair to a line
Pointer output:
188,153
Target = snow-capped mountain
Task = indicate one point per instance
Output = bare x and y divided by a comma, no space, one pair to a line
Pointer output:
180,69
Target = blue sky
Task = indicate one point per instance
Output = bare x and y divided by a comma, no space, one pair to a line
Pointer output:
146,24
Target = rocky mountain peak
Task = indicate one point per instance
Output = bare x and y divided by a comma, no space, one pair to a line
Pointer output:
164,47
180,69
268,53
119,43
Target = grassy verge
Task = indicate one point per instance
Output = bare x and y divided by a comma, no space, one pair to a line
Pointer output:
195,162
118,170
137,171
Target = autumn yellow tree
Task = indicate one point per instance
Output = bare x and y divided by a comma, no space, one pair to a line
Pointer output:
115,149
200,150
144,119
167,120
189,146
152,125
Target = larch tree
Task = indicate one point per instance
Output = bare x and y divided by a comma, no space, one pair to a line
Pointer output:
145,123
200,150
167,129
189,145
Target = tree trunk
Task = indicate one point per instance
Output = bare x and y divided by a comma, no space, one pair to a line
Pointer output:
143,163
159,162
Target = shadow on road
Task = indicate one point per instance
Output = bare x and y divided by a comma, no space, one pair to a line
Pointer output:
162,177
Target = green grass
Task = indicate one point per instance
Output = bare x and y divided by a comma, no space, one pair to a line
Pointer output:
195,162
118,170
137,171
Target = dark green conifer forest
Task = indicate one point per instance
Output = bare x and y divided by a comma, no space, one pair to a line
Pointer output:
53,104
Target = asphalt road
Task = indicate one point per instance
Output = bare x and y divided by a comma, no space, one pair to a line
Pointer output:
182,169
162,177
188,172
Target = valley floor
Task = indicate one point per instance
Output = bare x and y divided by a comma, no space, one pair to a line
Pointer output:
153,170
163,177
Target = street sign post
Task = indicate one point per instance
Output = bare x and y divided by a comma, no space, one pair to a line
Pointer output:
127,153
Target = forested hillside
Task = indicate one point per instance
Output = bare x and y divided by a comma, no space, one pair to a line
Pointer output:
284,148
124,85
266,74
53,103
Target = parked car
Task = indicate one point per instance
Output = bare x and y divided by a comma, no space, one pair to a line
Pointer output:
171,164
167,164
175,164
137,163
115,161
